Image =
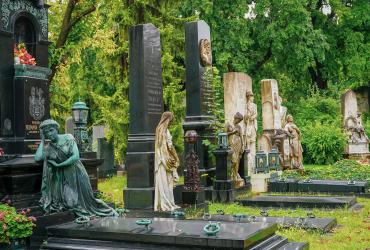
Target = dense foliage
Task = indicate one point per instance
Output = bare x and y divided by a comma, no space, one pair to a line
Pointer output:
305,45
14,225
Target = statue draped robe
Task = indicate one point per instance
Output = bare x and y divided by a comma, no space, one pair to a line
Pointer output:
68,187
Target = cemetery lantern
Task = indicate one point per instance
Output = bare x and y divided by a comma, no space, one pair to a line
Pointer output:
80,113
222,141
261,162
273,157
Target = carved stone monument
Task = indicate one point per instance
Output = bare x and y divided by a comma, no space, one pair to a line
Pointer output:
146,108
273,118
357,140
24,89
199,94
236,85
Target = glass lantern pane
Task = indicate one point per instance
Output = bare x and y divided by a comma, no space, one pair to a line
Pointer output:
76,115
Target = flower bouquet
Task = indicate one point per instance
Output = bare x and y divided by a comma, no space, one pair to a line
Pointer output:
21,56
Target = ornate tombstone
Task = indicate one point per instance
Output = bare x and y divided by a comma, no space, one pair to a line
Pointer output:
24,89
273,119
357,140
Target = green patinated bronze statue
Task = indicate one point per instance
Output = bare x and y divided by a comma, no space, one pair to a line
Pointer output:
65,183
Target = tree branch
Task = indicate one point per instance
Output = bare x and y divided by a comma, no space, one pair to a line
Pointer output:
81,15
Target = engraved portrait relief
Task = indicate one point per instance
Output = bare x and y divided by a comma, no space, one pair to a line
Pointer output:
205,52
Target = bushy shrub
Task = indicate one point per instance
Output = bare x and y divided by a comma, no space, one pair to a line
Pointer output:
322,143
14,225
317,108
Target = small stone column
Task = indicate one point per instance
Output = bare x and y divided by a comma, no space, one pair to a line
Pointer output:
223,186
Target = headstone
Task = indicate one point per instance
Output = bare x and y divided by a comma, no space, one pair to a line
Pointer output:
199,95
146,108
273,120
98,132
105,152
69,126
236,84
357,140
24,89
165,233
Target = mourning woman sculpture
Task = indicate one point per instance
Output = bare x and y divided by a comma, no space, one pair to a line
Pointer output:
296,150
165,166
236,143
250,120
65,183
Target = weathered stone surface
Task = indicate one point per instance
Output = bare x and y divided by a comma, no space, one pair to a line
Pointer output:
236,84
69,127
271,117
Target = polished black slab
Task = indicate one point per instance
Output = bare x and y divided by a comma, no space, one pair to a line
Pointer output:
199,97
318,186
321,224
146,108
165,231
298,201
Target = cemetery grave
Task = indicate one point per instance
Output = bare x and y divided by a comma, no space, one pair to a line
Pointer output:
236,191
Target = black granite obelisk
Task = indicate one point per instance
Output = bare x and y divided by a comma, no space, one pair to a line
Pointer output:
146,108
199,96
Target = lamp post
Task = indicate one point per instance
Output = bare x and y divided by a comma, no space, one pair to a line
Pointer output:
261,162
80,113
274,159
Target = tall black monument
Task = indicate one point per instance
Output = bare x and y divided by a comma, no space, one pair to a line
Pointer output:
146,108
24,93
199,95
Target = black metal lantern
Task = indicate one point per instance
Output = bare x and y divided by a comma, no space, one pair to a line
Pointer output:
261,162
222,141
274,163
80,113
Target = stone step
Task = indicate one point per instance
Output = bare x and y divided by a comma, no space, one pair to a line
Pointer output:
271,243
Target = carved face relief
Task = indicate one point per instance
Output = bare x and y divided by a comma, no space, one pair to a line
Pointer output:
205,52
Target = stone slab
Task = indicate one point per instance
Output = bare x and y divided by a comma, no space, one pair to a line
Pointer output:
322,224
317,186
298,201
167,233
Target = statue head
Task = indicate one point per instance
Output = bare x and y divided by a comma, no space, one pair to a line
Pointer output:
238,118
50,129
289,118
249,95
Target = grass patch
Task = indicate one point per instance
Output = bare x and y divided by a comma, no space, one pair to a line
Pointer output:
112,189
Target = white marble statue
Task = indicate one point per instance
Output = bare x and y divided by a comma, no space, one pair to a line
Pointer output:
250,120
165,166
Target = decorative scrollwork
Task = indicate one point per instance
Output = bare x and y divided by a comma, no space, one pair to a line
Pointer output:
8,8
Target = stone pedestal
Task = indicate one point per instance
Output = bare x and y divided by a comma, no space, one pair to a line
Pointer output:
146,108
223,187
259,182
199,96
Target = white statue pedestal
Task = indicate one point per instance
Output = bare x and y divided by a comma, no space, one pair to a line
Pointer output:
259,182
